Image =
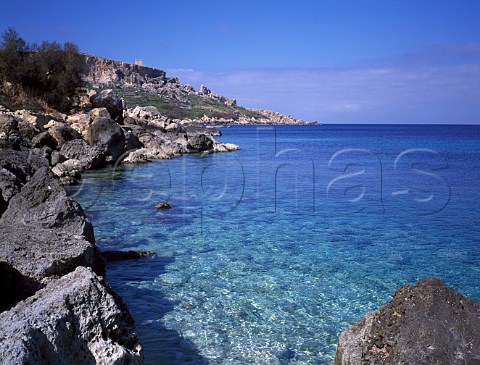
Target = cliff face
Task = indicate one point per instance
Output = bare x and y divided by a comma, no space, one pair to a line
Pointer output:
172,98
105,72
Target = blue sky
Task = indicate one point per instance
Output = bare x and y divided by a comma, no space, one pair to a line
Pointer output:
331,61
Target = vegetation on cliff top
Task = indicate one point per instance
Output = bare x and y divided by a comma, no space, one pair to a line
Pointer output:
38,76
193,107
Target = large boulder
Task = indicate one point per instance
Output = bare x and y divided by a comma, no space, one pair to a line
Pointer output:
22,163
200,143
63,133
44,139
146,154
11,125
8,124
224,147
90,157
80,122
429,323
110,100
14,286
31,257
108,135
69,171
76,319
36,121
145,112
10,185
98,113
43,202
132,142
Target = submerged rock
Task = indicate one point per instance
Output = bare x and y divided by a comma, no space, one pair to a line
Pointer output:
126,255
428,323
163,205
76,319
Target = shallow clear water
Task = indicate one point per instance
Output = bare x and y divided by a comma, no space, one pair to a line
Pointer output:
271,251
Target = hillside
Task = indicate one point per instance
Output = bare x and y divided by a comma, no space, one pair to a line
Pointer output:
145,86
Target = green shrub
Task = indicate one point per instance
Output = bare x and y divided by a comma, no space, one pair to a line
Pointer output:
50,71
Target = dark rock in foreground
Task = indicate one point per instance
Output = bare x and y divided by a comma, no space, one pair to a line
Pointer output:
43,202
76,319
429,323
40,253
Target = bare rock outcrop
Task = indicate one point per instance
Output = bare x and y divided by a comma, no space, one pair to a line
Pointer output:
107,73
269,117
163,138
53,309
204,91
428,323
76,319
107,135
43,202
103,71
90,157
63,133
40,253
109,99
9,186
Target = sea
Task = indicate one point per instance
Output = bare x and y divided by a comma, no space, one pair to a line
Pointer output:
270,252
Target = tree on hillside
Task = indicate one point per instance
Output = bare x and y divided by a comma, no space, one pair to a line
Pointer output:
50,71
13,49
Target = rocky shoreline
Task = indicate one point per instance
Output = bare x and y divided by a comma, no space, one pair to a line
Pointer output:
56,307
142,85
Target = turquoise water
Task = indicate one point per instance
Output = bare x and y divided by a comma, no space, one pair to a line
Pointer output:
271,251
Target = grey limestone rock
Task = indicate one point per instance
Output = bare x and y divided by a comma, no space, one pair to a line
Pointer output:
44,139
63,133
90,157
200,143
429,323
40,253
8,124
145,112
110,100
22,163
108,135
9,186
76,319
43,202
132,142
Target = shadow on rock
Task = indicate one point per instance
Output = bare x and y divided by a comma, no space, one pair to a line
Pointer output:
14,286
133,280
